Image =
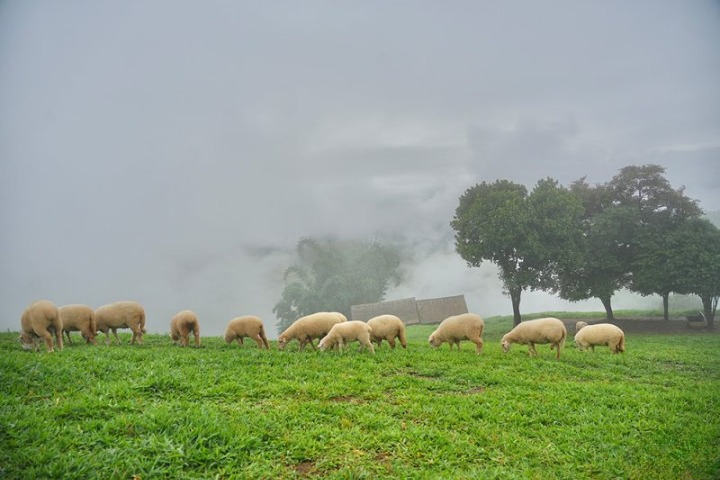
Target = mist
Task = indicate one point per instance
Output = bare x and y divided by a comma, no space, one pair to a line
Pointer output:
174,152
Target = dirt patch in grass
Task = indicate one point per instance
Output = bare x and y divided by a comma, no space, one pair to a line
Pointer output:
305,468
476,391
345,399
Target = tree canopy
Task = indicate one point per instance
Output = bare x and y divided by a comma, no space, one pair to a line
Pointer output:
528,236
333,275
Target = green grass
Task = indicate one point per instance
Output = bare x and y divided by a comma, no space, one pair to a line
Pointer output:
160,411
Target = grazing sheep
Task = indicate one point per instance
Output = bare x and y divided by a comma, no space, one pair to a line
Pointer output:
343,333
39,321
543,330
247,326
181,325
467,326
79,318
309,327
121,315
599,334
387,327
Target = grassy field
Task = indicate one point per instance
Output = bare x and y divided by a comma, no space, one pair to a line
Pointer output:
160,411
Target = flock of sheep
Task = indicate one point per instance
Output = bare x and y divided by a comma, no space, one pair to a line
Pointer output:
42,319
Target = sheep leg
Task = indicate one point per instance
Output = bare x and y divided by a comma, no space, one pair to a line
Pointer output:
258,340
48,340
312,344
557,354
368,345
531,350
67,333
240,341
391,341
479,344
114,331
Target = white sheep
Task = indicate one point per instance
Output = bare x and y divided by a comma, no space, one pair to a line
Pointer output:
345,332
599,334
387,327
309,327
247,326
39,321
466,326
121,315
79,318
181,325
543,330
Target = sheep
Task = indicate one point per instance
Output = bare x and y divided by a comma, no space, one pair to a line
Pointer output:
39,321
387,327
79,318
342,333
467,326
247,326
181,325
121,315
599,334
309,327
543,330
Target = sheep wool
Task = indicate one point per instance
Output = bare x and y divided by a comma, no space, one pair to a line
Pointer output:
248,326
467,326
79,318
310,327
40,321
181,325
590,336
345,332
387,327
125,314
530,332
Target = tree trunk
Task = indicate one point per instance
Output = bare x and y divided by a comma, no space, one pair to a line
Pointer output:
708,311
666,306
515,298
608,307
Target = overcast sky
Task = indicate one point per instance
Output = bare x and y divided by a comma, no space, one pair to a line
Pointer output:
173,152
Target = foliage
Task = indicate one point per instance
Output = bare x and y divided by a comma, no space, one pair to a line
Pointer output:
626,225
529,237
692,261
333,275
160,411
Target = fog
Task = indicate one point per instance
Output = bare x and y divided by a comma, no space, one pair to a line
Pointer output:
173,152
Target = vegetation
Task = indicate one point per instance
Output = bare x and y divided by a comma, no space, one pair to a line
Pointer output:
529,237
634,232
333,275
161,411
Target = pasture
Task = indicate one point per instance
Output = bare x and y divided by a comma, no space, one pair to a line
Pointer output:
161,411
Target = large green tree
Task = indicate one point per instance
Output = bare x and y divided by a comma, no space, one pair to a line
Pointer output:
694,258
600,268
658,211
333,275
530,237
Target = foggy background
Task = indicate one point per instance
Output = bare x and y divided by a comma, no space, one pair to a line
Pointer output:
173,152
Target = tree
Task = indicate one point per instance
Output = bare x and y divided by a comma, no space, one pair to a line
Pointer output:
625,223
600,269
660,210
528,237
693,253
333,275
